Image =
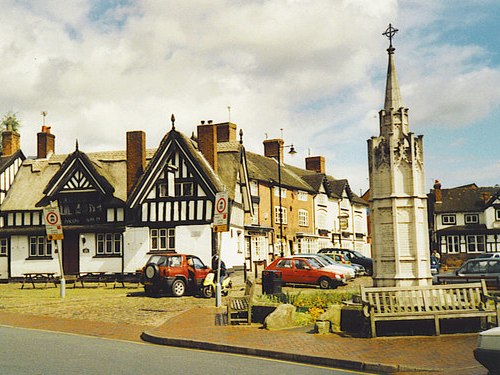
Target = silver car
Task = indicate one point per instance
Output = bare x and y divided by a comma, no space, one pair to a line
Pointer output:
348,271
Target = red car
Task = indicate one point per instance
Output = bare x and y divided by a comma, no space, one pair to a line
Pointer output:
170,272
306,271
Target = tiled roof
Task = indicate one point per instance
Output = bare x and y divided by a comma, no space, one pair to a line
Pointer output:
464,199
263,168
34,175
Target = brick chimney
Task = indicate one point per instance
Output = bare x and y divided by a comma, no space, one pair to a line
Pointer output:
207,143
316,164
226,132
273,147
136,157
11,142
437,192
46,143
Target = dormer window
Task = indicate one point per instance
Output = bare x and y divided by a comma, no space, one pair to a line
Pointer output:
449,219
471,219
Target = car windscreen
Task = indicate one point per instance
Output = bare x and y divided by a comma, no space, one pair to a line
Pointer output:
326,259
314,263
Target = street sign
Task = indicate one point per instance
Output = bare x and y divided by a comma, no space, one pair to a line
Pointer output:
221,213
53,225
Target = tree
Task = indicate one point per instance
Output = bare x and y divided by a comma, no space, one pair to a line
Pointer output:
10,122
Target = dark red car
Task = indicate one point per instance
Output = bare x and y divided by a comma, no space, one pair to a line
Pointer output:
306,271
171,273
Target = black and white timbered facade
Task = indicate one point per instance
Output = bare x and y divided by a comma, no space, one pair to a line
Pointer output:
111,226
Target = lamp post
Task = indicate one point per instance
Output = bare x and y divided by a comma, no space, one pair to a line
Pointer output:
292,152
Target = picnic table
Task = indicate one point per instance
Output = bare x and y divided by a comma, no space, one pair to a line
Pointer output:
34,278
99,277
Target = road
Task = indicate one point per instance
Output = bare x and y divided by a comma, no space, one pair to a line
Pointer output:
26,351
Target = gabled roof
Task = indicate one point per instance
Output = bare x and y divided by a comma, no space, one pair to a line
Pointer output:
172,141
464,199
89,180
34,177
6,161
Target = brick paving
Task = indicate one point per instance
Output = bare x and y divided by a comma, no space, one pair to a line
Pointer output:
443,354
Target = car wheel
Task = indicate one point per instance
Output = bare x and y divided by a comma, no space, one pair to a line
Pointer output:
207,292
178,288
324,283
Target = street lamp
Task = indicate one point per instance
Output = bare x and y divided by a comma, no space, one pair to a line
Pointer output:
291,152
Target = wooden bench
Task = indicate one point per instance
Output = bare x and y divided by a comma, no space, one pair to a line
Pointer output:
128,277
39,277
428,302
239,309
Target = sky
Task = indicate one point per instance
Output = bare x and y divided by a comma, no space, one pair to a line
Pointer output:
309,71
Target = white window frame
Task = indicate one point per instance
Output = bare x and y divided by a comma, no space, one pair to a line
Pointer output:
453,244
449,219
303,218
255,217
259,245
276,192
302,195
471,219
40,247
109,243
162,239
306,245
184,189
284,216
4,246
254,188
497,215
475,243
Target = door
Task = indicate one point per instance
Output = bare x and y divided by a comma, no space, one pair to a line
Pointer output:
71,253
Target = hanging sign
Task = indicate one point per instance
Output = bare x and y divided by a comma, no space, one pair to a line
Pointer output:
53,225
221,213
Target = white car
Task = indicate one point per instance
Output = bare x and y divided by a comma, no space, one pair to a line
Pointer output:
348,271
488,350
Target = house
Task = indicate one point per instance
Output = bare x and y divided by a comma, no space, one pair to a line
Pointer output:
119,207
464,221
10,161
317,210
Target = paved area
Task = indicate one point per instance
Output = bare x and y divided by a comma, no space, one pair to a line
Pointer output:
198,328
446,354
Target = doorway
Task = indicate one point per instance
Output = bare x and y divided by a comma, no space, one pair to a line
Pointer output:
71,254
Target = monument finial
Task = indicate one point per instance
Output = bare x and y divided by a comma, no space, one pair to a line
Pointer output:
389,33
172,118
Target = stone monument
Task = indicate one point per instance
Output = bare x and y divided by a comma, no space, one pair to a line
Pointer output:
398,206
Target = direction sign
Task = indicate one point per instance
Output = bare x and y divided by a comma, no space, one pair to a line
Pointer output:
221,213
53,225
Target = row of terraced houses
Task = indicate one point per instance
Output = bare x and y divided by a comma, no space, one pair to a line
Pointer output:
119,207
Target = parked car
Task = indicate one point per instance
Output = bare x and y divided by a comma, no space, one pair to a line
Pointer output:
173,273
434,265
341,261
488,350
474,270
488,255
306,271
326,261
354,256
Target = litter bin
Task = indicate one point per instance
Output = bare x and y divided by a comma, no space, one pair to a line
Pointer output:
271,282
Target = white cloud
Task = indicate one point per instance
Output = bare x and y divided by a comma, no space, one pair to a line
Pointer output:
314,68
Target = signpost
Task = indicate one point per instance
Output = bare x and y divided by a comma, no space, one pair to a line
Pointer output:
220,224
53,227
